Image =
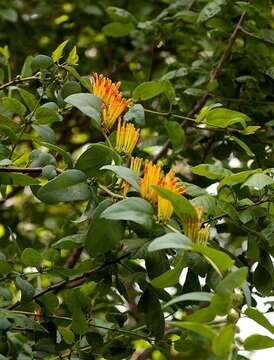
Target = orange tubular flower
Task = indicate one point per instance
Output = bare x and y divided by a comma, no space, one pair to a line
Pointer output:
127,137
193,227
113,102
152,175
135,165
165,208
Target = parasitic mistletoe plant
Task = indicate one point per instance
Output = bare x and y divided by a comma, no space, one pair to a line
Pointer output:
139,225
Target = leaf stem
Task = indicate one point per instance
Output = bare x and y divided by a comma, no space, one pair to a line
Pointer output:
102,187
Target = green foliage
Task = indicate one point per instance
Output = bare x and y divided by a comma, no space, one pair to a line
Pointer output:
93,245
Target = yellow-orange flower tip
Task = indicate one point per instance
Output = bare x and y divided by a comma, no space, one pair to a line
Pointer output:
135,166
165,208
194,229
152,176
127,137
113,102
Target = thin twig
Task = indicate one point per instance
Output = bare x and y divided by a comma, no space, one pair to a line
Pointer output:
255,36
104,188
34,170
19,80
214,75
74,282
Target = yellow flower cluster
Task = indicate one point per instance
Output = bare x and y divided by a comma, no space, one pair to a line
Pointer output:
152,176
126,138
165,208
193,228
113,102
112,108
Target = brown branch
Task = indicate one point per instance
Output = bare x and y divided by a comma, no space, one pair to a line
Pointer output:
19,80
213,76
74,282
34,170
73,258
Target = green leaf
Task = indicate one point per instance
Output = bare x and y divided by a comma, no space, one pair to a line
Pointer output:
150,306
45,132
180,204
58,52
17,179
22,320
198,328
148,90
120,15
41,62
222,343
258,181
73,301
96,156
214,172
28,98
8,132
207,202
73,57
4,120
14,106
89,104
234,179
170,277
228,209
136,114
250,130
46,115
65,155
176,134
117,29
49,172
223,118
70,88
67,334
5,324
26,68
242,145
5,267
103,234
260,319
27,290
193,296
267,233
31,257
217,257
263,275
169,91
194,92
258,342
41,158
210,10
67,187
170,241
131,209
70,242
232,281
73,72
125,174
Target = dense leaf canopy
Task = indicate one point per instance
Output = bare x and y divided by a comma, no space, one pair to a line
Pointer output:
136,178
